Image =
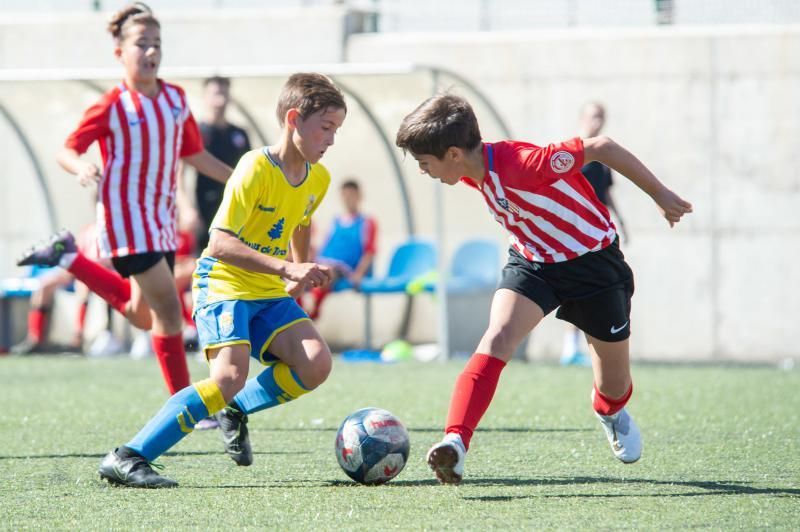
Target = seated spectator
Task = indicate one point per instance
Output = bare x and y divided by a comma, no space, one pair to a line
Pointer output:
349,247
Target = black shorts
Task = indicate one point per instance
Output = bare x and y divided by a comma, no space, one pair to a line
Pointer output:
141,262
593,291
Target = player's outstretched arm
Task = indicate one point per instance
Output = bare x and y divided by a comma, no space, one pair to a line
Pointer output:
226,247
611,154
207,164
70,160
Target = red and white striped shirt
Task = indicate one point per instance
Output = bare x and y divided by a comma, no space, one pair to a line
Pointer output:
540,196
141,140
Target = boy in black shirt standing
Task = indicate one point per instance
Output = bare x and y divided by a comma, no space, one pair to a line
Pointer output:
225,141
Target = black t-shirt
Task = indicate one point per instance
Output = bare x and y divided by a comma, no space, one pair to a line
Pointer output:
227,144
599,176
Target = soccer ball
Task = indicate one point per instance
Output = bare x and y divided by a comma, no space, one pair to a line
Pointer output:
372,446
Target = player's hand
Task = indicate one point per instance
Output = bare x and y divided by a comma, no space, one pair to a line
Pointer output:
295,289
89,174
672,206
309,273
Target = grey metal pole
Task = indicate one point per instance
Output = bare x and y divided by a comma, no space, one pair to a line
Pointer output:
441,279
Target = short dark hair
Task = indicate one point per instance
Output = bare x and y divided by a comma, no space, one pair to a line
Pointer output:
222,81
309,92
351,183
440,122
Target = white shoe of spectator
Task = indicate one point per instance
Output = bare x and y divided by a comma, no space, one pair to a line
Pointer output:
142,346
105,345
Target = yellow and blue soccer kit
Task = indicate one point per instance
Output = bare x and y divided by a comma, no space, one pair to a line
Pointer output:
237,306
260,207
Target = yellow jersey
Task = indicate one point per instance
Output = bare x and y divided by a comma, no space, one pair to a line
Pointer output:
262,209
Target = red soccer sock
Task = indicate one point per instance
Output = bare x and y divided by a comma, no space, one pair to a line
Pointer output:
472,395
103,282
186,311
80,318
172,359
37,321
318,295
606,406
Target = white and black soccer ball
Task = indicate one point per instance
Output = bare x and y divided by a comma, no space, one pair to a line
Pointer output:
372,446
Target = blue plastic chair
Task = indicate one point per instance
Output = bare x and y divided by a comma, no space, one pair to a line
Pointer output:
409,260
474,267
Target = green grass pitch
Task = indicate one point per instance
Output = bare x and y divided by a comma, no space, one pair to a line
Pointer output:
722,450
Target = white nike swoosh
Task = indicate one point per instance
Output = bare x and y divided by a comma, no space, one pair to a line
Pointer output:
615,330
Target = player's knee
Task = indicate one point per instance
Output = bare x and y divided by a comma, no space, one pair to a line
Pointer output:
499,343
230,382
317,370
168,313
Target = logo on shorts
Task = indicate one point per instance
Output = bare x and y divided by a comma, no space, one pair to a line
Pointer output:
615,330
562,162
225,323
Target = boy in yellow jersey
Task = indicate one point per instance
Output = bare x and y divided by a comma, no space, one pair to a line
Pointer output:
244,289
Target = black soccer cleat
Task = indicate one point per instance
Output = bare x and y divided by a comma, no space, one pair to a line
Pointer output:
134,472
233,429
49,253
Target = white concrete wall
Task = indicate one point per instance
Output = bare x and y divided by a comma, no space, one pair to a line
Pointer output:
191,37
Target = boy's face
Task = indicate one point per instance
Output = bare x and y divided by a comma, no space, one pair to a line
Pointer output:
216,96
313,135
139,51
593,120
447,169
351,198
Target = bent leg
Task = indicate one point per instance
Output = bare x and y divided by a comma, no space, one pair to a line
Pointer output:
304,363
183,410
512,317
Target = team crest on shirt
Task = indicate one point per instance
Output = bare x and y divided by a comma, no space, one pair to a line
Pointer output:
176,112
562,162
311,199
225,323
239,140
510,206
277,229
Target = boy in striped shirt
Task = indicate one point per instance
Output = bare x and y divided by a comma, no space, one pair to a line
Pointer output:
564,255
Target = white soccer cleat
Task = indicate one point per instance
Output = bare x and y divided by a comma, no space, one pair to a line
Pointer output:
623,436
446,459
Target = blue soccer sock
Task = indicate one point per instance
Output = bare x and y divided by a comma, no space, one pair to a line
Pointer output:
276,385
177,418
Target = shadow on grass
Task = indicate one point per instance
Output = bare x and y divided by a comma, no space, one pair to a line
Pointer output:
428,429
94,455
709,487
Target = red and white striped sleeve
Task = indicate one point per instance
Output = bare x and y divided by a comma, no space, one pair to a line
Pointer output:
94,125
